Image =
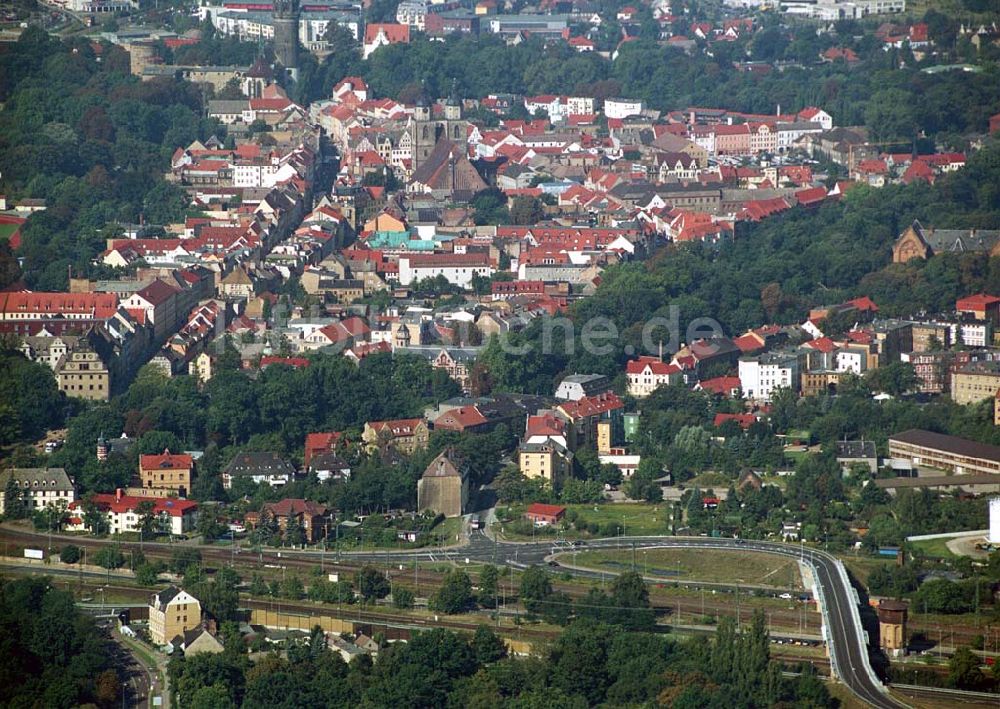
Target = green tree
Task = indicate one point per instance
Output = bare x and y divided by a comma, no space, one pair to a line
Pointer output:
488,646
489,579
146,516
535,588
890,116
292,588
372,584
182,558
14,506
526,210
964,670
258,587
109,557
402,598
69,554
630,597
146,574
295,535
454,595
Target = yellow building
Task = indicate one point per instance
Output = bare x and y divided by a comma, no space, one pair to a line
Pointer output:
548,460
405,435
167,472
172,611
975,382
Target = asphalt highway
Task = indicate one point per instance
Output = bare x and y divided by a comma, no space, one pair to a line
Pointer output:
848,646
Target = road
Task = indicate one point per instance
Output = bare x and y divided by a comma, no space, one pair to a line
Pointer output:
848,646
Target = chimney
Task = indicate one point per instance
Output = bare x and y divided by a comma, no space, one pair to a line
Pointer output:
118,494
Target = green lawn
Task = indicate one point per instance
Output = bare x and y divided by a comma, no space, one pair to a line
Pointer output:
7,229
710,479
934,547
697,565
639,519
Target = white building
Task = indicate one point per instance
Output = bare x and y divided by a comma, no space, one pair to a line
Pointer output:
622,107
40,487
977,333
579,105
646,374
852,359
412,13
173,516
458,269
761,376
576,386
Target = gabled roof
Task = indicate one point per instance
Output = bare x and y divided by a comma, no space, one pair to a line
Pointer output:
180,461
653,364
295,506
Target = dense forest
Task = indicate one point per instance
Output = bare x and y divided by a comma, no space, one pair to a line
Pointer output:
81,132
53,656
589,664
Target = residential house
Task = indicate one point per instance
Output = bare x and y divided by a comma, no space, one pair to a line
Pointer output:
762,375
403,435
576,386
258,467
166,475
646,374
38,487
172,612
310,516
172,516
586,417
544,515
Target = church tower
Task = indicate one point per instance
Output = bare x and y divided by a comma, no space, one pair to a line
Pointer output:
286,36
426,131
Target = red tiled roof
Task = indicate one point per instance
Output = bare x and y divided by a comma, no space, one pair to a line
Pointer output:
745,421
720,385
544,425
864,303
748,343
180,461
592,405
977,302
127,503
811,196
460,418
822,344
295,506
655,365
296,362
396,34
538,508
98,306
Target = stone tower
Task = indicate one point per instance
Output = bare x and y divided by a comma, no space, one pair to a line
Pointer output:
286,36
426,131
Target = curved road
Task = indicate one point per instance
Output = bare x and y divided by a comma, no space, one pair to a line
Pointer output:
847,642
841,618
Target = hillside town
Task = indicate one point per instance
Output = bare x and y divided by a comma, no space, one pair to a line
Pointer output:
292,332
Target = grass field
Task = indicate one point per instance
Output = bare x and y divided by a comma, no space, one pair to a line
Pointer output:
934,547
697,565
7,229
639,519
